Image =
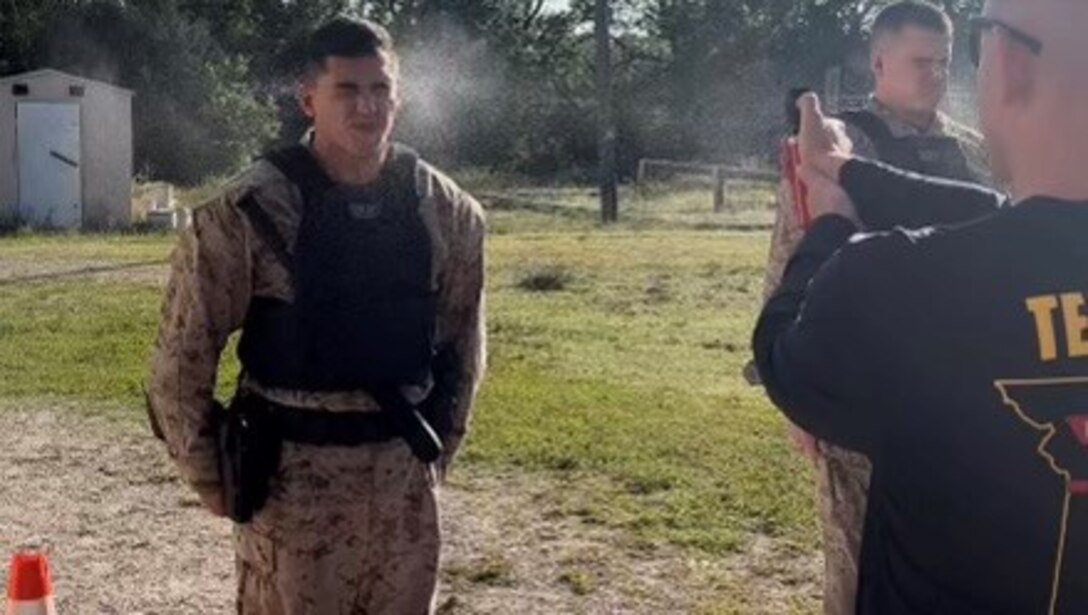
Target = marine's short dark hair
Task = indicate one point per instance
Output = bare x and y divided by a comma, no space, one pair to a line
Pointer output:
345,37
893,18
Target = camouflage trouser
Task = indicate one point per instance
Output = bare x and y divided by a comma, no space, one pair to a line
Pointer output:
843,487
346,531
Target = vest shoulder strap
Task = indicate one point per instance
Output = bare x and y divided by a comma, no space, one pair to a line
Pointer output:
266,229
301,169
871,125
406,168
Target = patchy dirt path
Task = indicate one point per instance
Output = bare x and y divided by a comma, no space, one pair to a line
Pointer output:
23,271
124,536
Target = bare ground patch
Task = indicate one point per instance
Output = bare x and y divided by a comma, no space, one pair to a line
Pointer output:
124,536
23,271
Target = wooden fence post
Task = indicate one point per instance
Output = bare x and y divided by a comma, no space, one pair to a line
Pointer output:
719,190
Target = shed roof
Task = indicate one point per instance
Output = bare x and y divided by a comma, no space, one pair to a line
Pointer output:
52,72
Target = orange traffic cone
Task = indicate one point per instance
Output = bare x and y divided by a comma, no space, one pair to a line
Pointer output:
30,590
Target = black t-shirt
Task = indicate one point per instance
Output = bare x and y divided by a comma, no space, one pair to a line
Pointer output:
957,360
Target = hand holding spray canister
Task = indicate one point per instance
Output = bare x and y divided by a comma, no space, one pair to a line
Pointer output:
791,159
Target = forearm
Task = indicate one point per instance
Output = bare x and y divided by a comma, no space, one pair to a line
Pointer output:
463,316
471,355
886,197
181,392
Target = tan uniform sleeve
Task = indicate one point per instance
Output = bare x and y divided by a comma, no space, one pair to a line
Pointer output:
784,239
786,235
206,300
462,308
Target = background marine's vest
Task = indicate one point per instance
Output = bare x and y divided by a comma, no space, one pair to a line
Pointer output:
939,156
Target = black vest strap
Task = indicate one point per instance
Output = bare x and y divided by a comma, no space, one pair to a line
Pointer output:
266,229
301,169
873,127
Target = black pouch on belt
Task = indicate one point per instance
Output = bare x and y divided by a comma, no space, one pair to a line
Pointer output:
249,454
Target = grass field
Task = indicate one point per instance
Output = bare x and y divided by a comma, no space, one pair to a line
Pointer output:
614,365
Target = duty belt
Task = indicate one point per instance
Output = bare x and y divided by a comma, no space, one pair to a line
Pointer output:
324,428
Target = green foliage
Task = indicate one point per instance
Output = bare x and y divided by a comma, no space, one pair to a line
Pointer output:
22,25
501,84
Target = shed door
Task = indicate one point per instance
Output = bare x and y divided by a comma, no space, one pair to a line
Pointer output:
49,157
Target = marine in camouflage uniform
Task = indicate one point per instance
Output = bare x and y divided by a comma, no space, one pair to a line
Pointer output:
970,142
842,476
345,529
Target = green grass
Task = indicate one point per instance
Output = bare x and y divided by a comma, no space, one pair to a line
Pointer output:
653,207
75,247
632,374
76,340
622,377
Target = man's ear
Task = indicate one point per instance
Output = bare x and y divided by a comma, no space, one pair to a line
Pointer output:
304,94
876,63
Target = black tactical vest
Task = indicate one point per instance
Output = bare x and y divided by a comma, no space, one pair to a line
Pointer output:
364,311
925,154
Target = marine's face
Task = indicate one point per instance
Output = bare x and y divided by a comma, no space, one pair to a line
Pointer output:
911,68
353,103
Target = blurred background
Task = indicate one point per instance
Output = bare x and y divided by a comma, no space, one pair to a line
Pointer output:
503,86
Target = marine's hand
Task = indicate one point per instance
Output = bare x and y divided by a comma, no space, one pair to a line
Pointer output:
805,444
825,148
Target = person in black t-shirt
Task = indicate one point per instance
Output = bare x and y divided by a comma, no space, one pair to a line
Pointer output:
956,357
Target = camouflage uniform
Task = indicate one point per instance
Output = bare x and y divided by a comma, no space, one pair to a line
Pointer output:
345,529
842,476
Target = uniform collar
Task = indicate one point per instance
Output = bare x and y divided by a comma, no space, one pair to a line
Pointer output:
901,128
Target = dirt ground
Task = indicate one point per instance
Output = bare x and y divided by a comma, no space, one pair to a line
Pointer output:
124,536
22,271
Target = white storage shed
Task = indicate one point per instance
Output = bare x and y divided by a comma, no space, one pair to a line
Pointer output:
65,151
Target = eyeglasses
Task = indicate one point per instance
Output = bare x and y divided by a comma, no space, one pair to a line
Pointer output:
984,24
